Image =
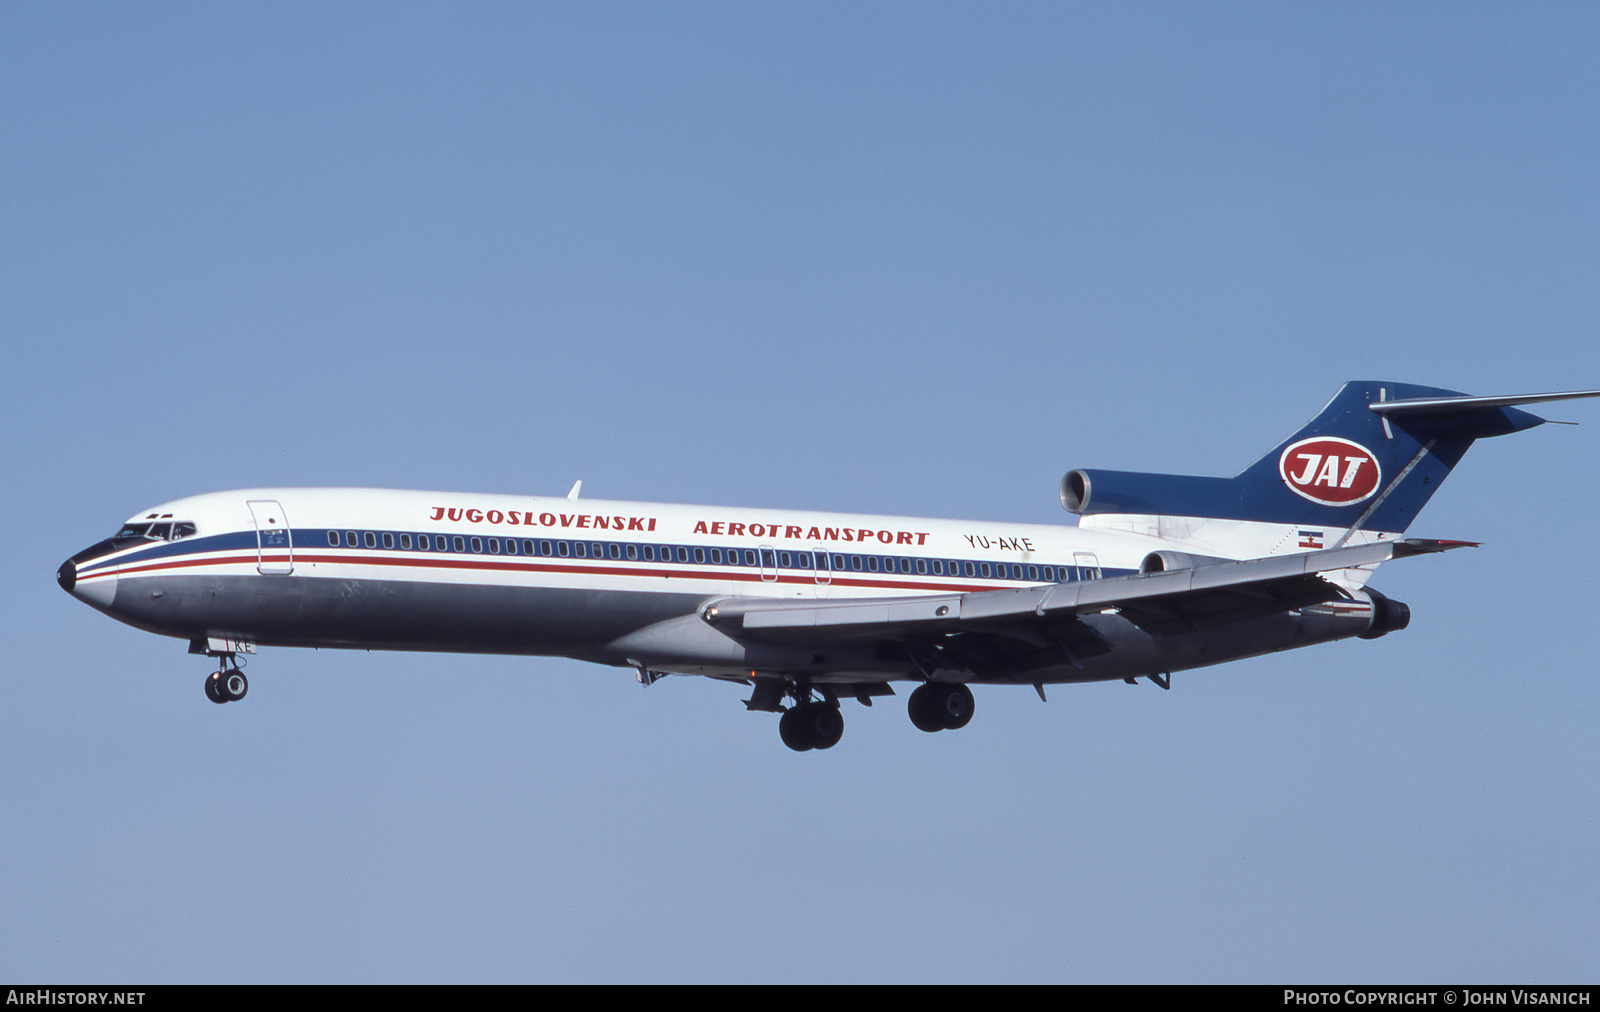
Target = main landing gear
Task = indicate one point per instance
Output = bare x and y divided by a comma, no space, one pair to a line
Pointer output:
940,706
811,724
228,684
817,723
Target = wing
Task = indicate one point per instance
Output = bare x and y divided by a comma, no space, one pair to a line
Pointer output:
1008,624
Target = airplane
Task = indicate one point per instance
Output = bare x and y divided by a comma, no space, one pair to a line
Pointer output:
1161,573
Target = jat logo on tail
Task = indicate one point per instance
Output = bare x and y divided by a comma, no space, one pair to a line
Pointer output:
1330,470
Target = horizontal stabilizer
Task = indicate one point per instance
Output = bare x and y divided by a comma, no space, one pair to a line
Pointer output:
1433,406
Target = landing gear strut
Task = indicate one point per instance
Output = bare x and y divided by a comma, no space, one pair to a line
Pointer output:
940,706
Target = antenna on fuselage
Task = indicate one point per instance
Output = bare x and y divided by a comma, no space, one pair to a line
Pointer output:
575,487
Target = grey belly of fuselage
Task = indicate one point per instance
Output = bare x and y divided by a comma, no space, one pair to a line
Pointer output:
650,629
391,614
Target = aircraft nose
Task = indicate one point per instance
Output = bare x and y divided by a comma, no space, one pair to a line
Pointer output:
93,589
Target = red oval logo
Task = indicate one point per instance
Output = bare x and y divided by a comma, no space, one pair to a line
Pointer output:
1330,470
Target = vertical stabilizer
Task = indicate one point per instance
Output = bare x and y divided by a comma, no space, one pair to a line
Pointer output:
1359,471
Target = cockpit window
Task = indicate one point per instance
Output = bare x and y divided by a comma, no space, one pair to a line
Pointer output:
166,531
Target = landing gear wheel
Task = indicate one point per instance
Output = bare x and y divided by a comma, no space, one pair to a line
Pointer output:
940,706
811,725
921,712
214,687
793,731
952,704
826,724
235,685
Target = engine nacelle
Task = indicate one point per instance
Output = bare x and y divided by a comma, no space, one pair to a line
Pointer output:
1388,615
1085,491
1166,562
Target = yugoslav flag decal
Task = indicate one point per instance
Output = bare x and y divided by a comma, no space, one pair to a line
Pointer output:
1330,470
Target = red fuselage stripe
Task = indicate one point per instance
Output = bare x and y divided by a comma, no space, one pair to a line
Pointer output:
452,562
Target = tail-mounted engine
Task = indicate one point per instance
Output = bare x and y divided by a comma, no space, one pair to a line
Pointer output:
1388,615
1167,562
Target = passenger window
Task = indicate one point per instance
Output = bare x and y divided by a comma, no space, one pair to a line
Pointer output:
597,550
511,546
371,539
562,549
388,540
783,560
527,548
872,563
716,556
351,539
683,555
803,559
749,557
1033,572
615,551
494,546
968,567
405,542
460,544
855,563
938,567
699,555
838,562
544,548
649,553
333,539
922,565
477,546
633,551
580,549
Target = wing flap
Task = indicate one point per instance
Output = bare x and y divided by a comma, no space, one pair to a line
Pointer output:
872,612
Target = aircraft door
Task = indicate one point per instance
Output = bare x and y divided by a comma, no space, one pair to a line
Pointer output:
822,574
274,545
769,563
1088,565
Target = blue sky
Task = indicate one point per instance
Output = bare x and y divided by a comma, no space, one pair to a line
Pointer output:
914,259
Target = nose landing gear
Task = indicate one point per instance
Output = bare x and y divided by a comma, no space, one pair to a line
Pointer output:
227,685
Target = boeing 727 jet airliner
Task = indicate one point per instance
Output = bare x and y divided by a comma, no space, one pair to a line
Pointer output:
1162,573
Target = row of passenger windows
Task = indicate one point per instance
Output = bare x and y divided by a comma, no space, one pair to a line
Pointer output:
819,563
